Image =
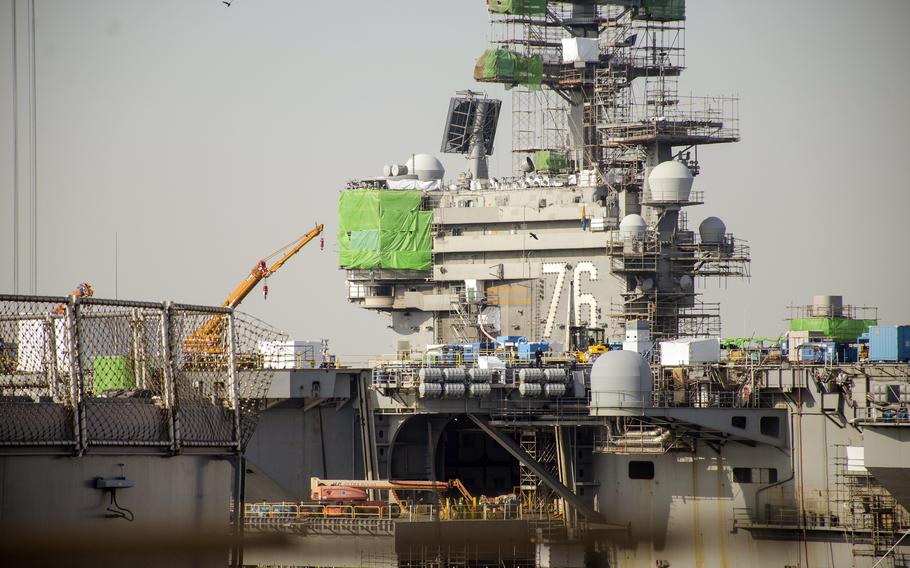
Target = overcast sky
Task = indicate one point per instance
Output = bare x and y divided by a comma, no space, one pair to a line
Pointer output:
207,136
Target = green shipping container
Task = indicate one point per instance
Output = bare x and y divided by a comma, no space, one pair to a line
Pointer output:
518,7
112,372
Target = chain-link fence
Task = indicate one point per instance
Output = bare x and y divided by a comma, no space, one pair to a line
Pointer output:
88,372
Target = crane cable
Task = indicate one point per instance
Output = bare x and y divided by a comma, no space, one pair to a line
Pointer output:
281,250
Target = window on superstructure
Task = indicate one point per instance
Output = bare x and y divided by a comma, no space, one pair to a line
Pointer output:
641,470
738,422
754,475
770,426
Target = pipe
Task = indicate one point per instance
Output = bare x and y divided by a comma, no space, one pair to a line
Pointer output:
792,464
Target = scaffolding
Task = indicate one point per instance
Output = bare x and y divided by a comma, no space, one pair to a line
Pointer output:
873,517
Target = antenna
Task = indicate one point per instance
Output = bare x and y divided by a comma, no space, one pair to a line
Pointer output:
471,129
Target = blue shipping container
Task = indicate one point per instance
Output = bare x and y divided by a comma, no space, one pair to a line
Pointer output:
889,343
818,352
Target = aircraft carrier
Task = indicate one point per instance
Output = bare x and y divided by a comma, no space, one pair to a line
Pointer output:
559,393
557,378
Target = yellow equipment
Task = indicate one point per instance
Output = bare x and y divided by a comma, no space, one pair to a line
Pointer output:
587,343
208,337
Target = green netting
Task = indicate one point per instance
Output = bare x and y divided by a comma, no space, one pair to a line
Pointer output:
662,10
550,161
383,229
504,66
518,7
837,329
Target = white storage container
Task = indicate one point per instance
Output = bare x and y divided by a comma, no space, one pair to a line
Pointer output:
580,50
689,351
291,354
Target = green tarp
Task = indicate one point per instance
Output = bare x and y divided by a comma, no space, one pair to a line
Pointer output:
504,66
837,329
550,161
518,7
662,10
114,372
383,229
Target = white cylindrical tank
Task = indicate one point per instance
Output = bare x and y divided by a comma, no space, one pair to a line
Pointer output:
555,375
476,375
620,384
430,375
399,170
479,390
454,375
427,167
632,226
387,171
712,231
453,390
670,181
531,375
429,390
554,390
529,389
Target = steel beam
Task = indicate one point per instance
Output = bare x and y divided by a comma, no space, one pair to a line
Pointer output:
513,448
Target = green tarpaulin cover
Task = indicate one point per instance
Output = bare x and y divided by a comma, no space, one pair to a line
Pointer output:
112,373
504,66
549,161
518,7
662,10
383,229
838,329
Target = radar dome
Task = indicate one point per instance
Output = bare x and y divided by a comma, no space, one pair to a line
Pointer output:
632,226
670,181
712,231
428,168
620,384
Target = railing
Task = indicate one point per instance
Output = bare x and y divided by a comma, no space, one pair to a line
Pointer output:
82,372
307,516
892,414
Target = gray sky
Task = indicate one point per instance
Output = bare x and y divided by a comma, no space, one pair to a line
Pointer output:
208,136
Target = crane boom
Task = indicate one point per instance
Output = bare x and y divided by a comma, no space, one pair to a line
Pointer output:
261,271
207,338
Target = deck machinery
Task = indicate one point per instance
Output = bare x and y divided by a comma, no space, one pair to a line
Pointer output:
747,458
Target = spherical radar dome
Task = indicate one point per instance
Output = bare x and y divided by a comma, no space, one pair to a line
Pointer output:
712,231
632,225
428,168
620,382
670,181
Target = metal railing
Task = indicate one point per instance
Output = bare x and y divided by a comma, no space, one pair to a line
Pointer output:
82,372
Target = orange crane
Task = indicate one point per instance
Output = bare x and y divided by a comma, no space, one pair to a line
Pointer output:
208,337
350,491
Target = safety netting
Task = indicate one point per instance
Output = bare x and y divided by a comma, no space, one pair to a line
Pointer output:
550,161
508,67
662,10
383,229
518,7
838,329
120,373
